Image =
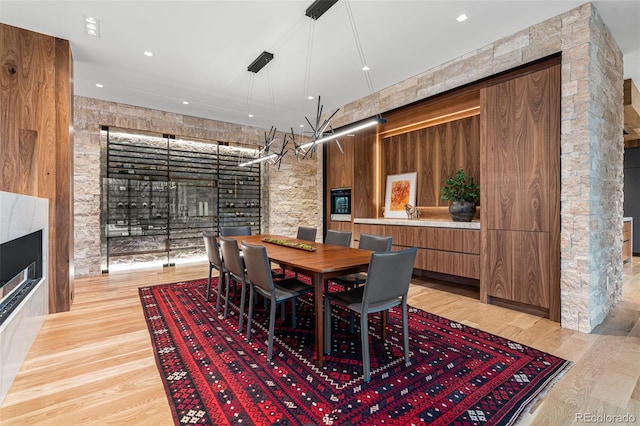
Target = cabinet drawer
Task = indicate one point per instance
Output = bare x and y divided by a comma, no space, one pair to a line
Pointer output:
450,263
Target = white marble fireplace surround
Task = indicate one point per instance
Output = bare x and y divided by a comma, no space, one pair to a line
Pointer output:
21,215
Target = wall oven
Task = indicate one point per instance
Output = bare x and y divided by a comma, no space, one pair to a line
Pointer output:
341,204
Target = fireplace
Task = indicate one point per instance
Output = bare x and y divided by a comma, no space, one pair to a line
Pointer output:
24,304
20,270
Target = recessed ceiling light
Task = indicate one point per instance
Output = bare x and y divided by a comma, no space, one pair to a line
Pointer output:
309,97
149,54
99,85
365,68
250,115
185,102
462,18
302,125
91,26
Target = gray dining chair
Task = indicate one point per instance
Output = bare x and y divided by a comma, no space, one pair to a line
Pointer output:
215,262
235,272
231,231
367,242
261,281
339,238
387,285
306,233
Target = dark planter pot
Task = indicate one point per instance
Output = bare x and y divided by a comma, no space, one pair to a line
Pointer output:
462,211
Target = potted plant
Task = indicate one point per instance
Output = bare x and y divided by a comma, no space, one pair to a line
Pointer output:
463,193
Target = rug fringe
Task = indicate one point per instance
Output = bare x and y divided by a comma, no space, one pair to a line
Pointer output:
525,413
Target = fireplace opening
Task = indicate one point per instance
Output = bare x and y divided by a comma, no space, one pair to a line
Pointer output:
20,270
17,254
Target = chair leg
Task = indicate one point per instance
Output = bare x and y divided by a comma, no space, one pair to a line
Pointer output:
220,282
352,327
384,317
272,324
405,330
226,300
364,340
282,313
327,326
241,313
209,282
250,312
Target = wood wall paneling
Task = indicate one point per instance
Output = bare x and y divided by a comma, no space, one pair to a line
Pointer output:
435,153
339,173
36,142
27,163
64,212
364,174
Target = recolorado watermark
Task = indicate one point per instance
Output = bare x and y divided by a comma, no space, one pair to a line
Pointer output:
601,418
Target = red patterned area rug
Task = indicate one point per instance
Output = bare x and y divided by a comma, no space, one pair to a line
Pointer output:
456,375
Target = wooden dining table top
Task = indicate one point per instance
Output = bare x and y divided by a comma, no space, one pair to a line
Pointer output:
326,258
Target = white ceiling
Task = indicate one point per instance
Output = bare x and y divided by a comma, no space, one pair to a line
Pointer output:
201,49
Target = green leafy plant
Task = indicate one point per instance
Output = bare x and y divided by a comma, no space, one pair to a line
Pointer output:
460,187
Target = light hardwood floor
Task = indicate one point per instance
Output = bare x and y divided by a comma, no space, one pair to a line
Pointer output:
94,364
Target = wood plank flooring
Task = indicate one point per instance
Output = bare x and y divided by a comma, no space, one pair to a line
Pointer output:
95,365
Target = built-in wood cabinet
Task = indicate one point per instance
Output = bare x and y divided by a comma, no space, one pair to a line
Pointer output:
520,190
449,251
505,132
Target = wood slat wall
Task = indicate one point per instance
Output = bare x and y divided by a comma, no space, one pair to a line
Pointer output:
36,144
435,153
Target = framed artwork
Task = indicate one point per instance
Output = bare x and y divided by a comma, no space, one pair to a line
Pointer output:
401,190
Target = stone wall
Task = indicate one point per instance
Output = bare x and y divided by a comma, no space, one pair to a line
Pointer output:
591,144
284,189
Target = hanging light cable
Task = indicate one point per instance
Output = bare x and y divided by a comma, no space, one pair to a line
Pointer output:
249,94
363,61
307,71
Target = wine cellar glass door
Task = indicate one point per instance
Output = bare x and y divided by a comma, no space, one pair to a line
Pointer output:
160,193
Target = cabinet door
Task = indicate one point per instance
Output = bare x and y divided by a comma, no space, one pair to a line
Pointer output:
520,160
518,147
518,266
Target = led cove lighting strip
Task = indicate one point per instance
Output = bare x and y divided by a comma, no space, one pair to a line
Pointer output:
345,132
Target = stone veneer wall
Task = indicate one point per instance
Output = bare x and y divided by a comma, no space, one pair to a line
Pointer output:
591,144
291,197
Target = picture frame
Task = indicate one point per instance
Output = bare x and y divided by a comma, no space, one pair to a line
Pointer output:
401,190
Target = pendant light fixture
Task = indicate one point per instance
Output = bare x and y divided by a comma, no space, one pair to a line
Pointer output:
319,130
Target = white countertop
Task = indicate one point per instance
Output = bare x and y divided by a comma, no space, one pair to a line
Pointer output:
627,219
434,223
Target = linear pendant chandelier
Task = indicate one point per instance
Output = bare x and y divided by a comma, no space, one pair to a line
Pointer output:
352,129
317,9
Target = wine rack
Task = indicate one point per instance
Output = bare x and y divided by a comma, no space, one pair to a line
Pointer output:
160,193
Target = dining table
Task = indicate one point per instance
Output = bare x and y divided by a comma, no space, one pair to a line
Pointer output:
318,261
